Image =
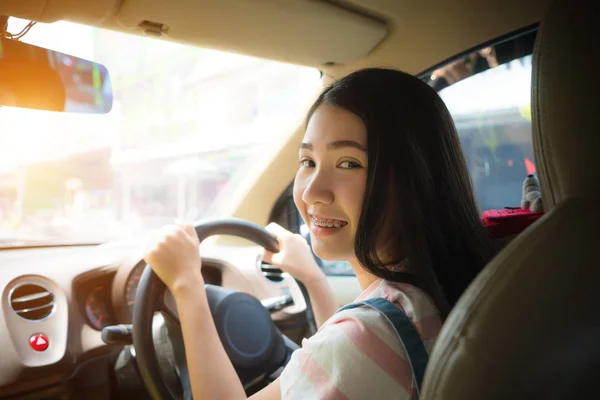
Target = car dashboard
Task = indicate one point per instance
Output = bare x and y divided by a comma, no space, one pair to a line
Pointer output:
57,300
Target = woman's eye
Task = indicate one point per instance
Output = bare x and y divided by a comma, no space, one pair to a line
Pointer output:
349,165
307,163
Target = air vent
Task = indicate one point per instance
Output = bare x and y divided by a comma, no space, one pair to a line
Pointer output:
270,272
32,302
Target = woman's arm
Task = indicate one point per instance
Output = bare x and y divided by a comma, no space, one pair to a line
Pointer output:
296,258
273,391
212,375
175,258
322,298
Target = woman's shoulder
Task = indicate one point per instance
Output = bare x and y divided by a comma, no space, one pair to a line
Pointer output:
353,355
357,352
415,303
367,331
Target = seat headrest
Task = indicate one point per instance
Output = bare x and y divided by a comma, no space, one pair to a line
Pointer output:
565,101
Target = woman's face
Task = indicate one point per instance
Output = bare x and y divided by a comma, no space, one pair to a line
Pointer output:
331,180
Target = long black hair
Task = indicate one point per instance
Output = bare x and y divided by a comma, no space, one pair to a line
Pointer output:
414,152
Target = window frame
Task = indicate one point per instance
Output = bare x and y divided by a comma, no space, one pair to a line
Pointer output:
512,36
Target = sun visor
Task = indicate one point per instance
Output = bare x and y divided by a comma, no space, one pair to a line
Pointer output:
302,32
47,11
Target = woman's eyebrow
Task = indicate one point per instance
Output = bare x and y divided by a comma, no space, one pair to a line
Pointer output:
338,144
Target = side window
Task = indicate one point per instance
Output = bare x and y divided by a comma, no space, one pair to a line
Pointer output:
488,95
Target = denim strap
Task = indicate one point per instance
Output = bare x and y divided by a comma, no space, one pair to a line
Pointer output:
407,333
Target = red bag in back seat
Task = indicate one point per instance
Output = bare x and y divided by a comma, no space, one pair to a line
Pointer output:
510,221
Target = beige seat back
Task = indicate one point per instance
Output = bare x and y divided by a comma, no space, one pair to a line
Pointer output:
529,326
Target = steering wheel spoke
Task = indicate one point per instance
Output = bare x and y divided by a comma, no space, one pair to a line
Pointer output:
168,307
178,360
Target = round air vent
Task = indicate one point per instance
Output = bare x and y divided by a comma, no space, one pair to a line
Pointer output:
31,301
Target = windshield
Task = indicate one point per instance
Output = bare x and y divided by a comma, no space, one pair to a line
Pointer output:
187,126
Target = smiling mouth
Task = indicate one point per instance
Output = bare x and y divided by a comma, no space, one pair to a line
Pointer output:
328,223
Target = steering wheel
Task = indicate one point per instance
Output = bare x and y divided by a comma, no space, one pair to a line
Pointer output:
253,343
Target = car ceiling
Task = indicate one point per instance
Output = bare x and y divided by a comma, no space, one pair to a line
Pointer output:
335,36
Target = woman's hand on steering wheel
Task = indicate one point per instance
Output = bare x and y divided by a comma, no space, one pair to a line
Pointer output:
229,338
173,255
295,256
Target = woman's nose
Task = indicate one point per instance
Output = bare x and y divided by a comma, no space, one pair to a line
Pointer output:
318,189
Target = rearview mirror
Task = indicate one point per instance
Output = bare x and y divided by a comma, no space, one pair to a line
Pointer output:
42,79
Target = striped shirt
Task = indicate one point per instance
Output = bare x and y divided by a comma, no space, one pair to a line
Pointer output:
356,354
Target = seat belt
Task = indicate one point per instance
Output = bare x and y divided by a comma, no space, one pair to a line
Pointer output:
407,333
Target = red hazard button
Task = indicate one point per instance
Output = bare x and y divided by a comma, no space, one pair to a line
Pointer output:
38,342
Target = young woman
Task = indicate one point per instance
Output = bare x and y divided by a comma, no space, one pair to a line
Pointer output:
382,184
